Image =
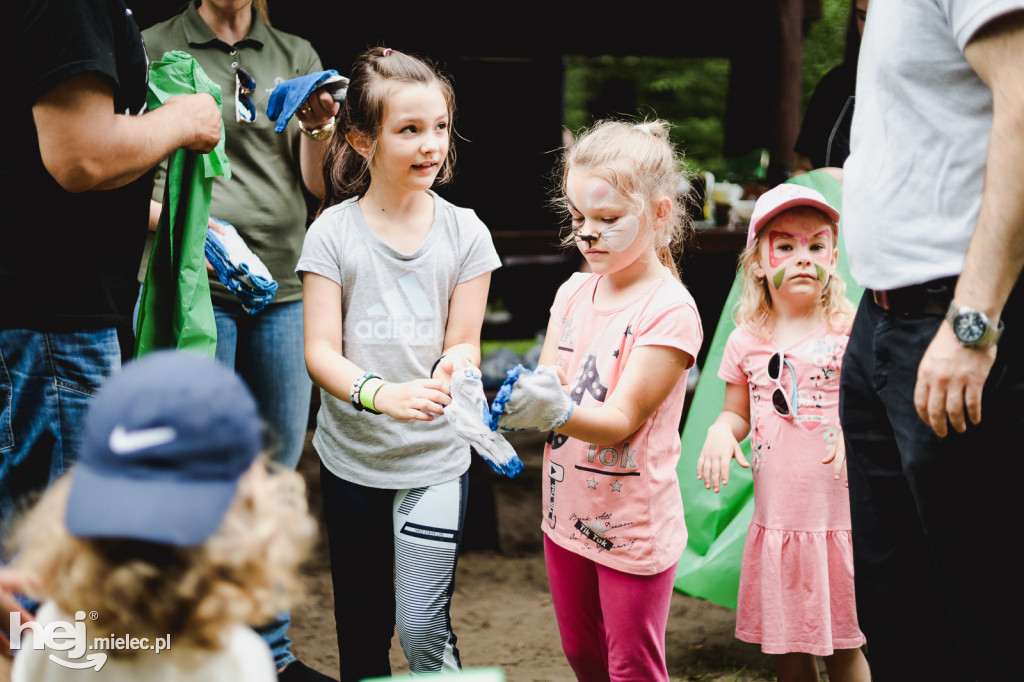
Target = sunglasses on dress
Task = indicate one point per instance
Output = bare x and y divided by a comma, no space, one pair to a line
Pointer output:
782,400
245,85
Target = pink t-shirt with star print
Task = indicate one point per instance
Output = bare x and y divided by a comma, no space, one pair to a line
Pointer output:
619,503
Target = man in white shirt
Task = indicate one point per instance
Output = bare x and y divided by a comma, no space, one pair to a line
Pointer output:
934,225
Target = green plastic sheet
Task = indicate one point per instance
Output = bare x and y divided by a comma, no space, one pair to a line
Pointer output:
175,310
717,523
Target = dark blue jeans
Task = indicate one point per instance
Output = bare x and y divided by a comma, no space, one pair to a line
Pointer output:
46,381
266,350
934,519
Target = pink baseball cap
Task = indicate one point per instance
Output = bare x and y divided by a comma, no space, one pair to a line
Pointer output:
784,197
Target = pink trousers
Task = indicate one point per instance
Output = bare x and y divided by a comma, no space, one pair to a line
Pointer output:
612,623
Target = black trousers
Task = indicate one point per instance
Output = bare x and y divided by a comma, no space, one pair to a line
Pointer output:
393,559
935,520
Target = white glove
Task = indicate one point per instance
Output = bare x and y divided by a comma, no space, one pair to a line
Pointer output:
531,400
470,417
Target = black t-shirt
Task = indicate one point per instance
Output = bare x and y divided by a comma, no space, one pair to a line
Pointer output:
67,261
825,133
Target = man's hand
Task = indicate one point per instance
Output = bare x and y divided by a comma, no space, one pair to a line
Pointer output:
202,115
949,380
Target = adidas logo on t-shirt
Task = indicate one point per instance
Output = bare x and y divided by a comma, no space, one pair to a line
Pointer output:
404,313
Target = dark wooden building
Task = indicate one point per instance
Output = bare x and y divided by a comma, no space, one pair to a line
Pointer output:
508,64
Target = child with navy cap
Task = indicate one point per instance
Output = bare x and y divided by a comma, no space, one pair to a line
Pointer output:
171,532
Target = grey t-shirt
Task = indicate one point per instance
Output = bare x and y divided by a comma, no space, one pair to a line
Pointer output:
913,181
394,312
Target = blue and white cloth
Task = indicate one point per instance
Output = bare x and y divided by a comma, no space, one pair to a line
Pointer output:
239,269
469,416
289,95
530,400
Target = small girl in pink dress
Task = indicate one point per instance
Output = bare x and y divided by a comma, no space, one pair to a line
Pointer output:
781,367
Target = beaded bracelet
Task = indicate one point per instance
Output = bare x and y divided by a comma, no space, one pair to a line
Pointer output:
357,387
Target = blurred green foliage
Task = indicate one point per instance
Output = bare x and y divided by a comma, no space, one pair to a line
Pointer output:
689,92
825,44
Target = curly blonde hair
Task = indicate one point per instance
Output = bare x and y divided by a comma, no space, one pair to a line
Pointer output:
642,164
753,312
244,573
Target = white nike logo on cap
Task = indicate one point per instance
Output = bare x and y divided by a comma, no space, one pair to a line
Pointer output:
124,442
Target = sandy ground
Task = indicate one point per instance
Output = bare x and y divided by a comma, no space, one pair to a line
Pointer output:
502,609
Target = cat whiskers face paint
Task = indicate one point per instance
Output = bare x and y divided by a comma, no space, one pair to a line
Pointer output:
619,236
600,197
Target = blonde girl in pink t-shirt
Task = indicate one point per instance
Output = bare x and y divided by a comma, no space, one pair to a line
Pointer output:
625,336
781,366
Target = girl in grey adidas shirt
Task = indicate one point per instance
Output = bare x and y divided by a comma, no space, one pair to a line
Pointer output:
395,284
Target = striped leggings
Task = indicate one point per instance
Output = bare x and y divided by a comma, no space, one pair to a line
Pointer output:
393,556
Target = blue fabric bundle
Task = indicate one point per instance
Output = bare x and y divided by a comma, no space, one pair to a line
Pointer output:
239,269
289,95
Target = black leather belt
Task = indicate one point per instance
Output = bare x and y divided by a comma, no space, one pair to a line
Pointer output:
930,298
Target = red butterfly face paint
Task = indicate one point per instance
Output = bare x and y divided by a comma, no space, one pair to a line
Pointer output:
797,249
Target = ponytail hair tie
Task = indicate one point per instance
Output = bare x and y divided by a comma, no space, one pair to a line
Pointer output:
387,51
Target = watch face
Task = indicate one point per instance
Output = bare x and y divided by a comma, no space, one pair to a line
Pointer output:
969,327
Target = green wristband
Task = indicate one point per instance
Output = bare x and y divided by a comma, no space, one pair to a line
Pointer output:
368,391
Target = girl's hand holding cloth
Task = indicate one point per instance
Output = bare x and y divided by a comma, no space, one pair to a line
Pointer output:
531,400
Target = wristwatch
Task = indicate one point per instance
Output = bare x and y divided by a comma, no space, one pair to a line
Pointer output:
972,327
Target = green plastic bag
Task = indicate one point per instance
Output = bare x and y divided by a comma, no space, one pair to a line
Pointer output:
175,310
717,524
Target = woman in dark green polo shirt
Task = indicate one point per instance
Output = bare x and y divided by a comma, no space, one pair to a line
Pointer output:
236,46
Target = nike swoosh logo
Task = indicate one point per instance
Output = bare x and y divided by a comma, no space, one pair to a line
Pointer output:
123,442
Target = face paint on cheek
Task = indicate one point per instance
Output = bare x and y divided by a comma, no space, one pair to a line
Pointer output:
778,278
822,274
621,235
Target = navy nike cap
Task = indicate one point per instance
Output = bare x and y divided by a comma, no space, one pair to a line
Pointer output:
165,441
